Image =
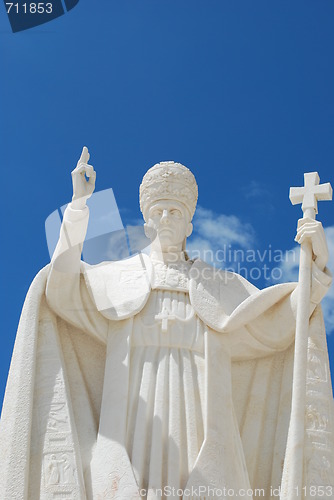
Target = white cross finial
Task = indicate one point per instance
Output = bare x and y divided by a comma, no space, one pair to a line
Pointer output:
310,194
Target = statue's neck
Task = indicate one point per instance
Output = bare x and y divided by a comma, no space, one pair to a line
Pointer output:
168,257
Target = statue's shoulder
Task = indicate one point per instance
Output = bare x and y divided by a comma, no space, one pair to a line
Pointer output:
134,264
210,276
215,293
119,288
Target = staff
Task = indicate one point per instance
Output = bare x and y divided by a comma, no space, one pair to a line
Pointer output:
293,466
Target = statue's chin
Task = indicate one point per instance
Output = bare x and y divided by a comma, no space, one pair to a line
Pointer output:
164,242
165,247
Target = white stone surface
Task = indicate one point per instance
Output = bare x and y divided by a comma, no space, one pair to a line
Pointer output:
159,372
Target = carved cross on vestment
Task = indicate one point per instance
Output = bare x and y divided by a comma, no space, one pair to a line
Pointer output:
165,316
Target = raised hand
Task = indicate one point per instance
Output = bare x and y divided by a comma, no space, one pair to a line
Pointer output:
312,229
83,188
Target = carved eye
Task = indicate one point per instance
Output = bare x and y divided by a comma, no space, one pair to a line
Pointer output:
157,212
176,212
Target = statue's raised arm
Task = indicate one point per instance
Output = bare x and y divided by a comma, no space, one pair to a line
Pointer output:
66,292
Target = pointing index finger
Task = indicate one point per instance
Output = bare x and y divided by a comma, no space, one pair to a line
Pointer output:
84,158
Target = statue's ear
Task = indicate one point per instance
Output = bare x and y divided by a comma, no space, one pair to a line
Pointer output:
149,231
189,229
146,230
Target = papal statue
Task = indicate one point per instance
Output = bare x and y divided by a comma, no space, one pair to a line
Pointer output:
158,376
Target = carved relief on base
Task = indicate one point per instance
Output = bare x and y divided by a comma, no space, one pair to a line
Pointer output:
55,450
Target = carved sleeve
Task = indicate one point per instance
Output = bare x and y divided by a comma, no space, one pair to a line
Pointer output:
66,290
321,281
270,329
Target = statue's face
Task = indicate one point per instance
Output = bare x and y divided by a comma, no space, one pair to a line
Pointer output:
169,222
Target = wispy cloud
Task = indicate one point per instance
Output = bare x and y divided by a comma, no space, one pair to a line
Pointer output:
255,190
258,194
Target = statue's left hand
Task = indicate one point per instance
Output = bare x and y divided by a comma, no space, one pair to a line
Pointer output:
313,230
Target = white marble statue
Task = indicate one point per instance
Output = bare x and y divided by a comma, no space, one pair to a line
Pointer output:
158,376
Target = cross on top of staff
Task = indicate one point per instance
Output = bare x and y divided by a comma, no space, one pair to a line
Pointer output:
311,192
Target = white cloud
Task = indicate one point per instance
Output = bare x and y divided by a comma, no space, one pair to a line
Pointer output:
289,269
216,232
221,228
290,265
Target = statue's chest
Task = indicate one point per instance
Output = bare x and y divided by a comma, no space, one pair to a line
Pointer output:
168,319
171,277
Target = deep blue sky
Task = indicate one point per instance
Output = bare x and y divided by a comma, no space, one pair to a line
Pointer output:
241,92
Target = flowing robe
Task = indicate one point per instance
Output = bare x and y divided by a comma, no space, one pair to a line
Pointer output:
165,428
169,413
156,414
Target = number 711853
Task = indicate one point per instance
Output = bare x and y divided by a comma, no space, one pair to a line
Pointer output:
30,8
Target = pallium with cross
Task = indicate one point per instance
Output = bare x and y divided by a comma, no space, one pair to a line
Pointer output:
165,316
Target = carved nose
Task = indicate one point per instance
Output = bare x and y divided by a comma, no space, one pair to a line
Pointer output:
164,217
